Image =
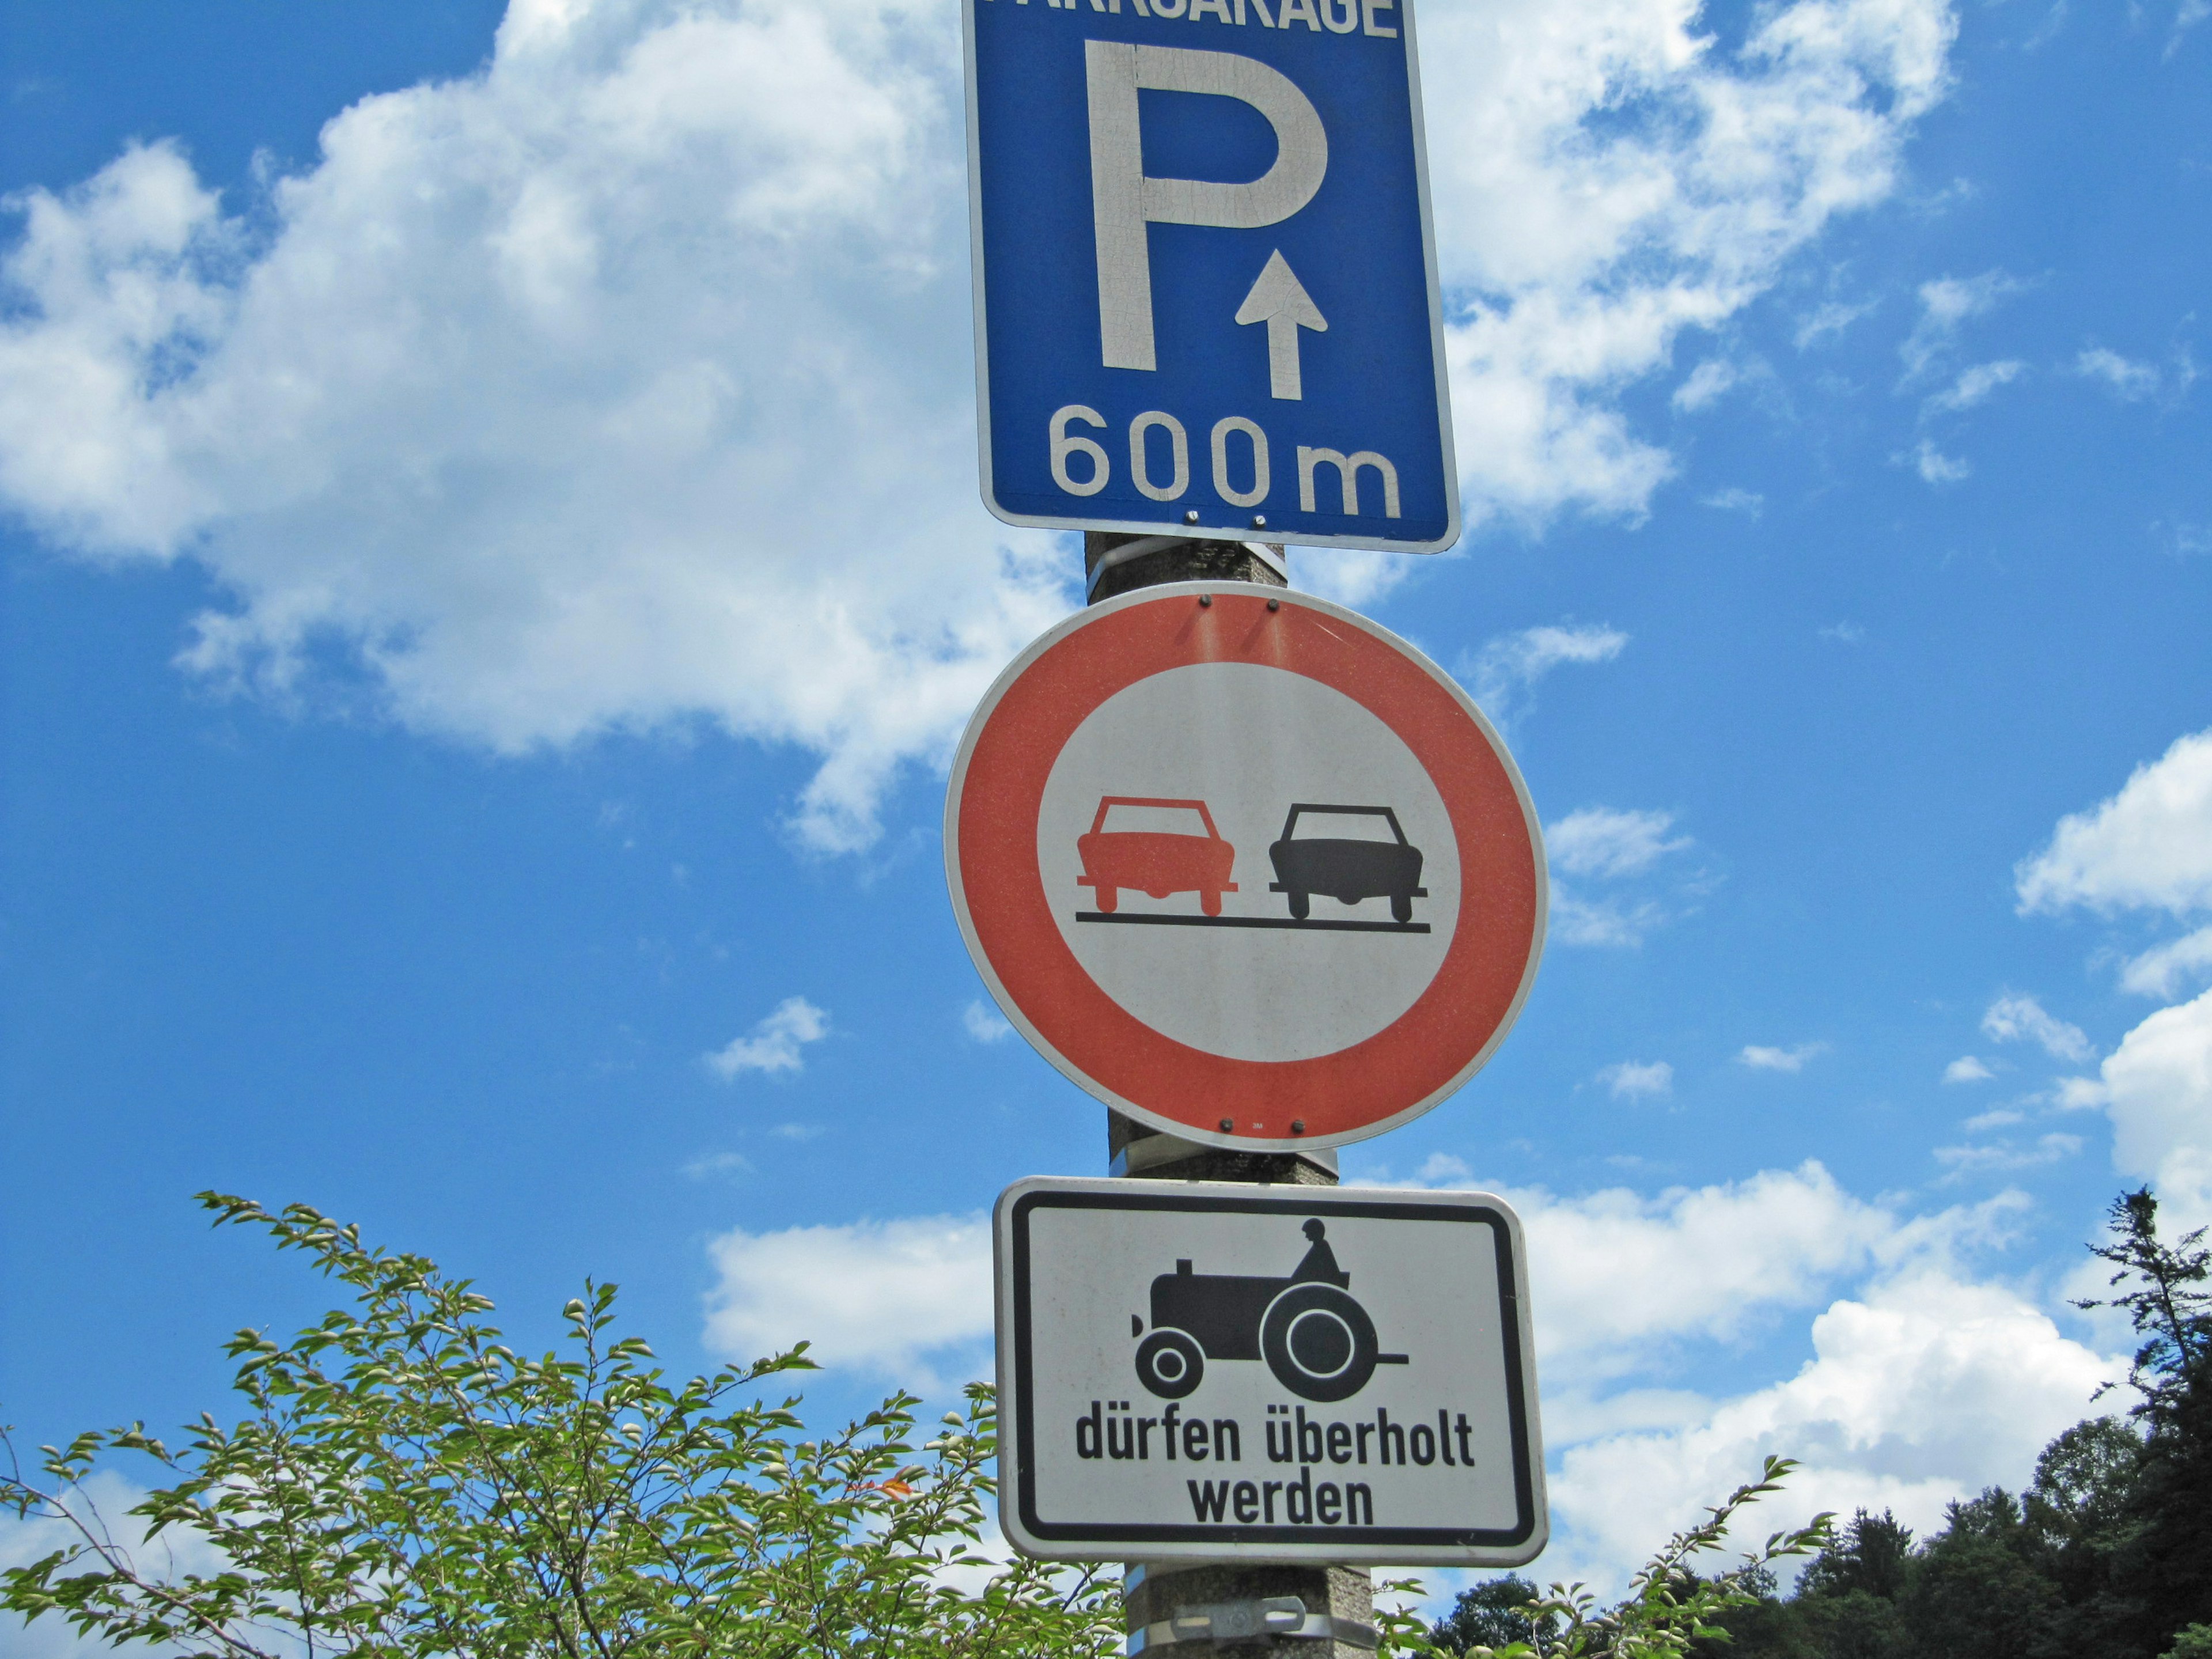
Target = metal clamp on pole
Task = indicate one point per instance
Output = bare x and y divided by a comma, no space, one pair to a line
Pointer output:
1152,1152
1142,545
1215,1622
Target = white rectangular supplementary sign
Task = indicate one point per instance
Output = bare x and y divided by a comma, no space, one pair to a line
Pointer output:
1198,1369
1206,291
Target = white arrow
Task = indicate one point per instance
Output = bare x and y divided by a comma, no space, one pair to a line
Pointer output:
1279,300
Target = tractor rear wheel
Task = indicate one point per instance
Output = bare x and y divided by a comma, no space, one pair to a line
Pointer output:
1319,1342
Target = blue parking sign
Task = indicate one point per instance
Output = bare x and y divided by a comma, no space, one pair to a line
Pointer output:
1205,289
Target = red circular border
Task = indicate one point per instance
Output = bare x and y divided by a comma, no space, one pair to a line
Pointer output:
1413,1061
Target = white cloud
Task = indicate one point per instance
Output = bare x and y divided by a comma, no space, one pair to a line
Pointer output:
613,386
1936,467
1503,675
1598,841
714,1164
2168,969
1749,503
607,388
1974,386
1945,303
2149,846
1832,318
983,1022
1605,923
776,1042
1606,845
1584,255
905,1297
2013,1018
1761,1059
1845,633
1924,1385
2048,1149
1705,384
2126,379
177,1551
2187,16
1921,1389
1616,1271
2156,1087
1633,1080
1967,1069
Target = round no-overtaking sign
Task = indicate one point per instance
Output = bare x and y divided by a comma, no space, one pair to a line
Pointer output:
1245,865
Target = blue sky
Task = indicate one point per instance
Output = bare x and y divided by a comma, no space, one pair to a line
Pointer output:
492,574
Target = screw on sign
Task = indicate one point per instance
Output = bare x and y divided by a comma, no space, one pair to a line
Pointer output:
1245,865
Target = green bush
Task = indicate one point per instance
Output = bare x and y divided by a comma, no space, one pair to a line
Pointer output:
406,1485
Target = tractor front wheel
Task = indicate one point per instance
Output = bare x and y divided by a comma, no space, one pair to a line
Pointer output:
1169,1362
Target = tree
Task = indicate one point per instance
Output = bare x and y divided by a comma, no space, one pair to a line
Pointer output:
1977,1592
2172,1317
2081,1512
1869,1557
1846,1601
1670,1610
2167,1568
1492,1615
2110,1550
406,1484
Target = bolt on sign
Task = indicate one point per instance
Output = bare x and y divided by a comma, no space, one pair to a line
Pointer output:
1245,865
1206,289
1198,1369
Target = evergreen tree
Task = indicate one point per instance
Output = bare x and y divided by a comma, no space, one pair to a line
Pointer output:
1870,1556
1491,1615
2165,1567
1976,1591
1847,1598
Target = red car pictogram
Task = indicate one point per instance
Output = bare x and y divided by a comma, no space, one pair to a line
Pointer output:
1155,861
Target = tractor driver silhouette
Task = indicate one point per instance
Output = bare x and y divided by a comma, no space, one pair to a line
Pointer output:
1319,1267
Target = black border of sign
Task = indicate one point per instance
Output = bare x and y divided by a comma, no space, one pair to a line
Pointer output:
1309,1200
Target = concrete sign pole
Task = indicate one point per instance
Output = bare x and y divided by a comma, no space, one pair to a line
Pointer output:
1166,1601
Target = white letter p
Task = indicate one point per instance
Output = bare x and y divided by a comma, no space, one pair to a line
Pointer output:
1123,201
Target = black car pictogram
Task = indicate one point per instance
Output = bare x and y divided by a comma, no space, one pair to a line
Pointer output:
1346,868
1317,1340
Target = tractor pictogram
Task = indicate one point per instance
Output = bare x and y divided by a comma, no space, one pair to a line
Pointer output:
1317,1338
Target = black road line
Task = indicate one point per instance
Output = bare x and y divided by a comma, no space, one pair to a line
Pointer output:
1255,921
